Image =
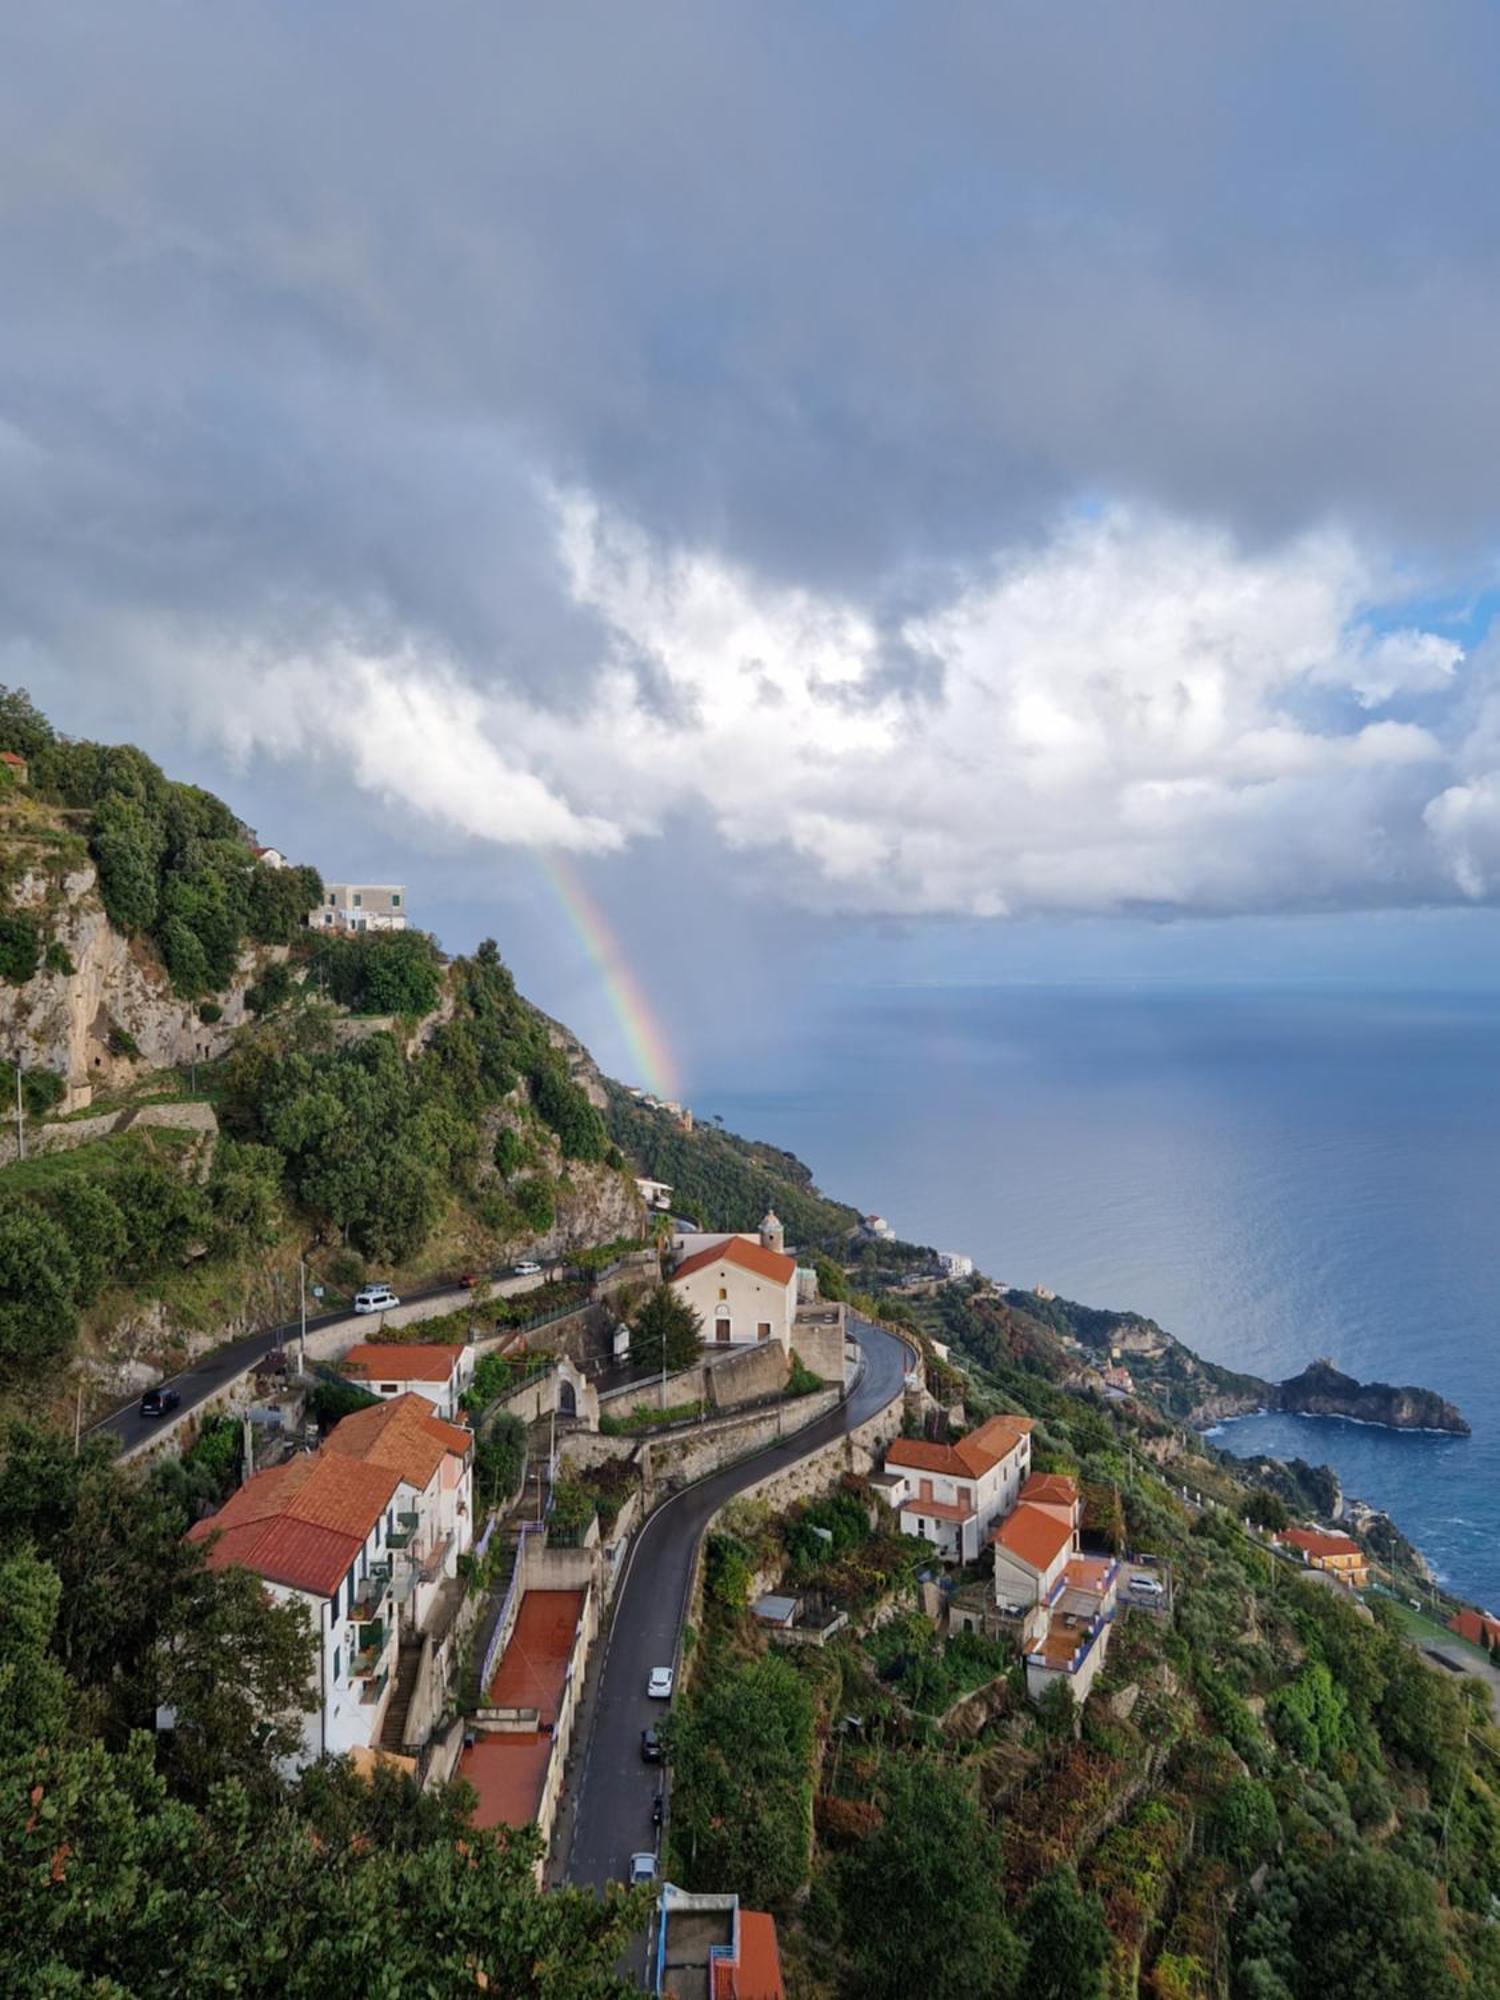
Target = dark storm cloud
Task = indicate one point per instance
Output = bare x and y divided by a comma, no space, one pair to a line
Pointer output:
317,321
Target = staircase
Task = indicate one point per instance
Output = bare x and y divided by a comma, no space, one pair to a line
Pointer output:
393,1728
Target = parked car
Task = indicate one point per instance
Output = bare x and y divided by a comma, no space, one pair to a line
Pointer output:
659,1687
1147,1586
651,1752
528,1270
642,1868
158,1402
375,1299
658,1809
468,1280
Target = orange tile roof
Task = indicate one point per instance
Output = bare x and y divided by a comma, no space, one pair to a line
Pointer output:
300,1524
1050,1489
1033,1536
1478,1627
758,1973
750,1256
402,1434
971,1457
1313,1543
399,1361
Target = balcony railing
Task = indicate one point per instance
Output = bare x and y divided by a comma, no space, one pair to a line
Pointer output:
372,1690
371,1601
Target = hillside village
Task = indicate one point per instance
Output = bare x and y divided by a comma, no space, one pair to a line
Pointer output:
698,1589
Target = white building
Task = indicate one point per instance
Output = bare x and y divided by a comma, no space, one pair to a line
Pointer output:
743,1288
953,1264
657,1195
440,1372
953,1494
1035,1543
361,906
361,1535
269,857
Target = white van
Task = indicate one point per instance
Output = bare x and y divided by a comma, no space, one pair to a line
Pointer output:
375,1299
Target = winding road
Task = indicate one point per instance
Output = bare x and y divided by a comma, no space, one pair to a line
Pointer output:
611,1817
208,1376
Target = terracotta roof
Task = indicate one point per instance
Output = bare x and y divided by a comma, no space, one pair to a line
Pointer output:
301,1524
749,1256
941,1510
1478,1627
402,1434
757,1976
1050,1489
1033,1536
1313,1543
400,1361
980,1452
10,757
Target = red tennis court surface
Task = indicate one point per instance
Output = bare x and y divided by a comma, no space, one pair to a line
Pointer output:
507,1771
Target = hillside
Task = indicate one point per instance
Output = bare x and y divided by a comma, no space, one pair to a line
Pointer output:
213,1091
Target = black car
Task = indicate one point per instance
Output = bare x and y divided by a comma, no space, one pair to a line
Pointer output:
651,1746
158,1402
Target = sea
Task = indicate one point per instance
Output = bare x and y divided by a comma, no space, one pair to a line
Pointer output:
1272,1175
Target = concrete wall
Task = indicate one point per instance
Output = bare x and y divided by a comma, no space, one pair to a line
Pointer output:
722,1379
821,1348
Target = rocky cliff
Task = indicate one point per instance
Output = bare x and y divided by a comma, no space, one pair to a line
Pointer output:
1322,1390
101,1009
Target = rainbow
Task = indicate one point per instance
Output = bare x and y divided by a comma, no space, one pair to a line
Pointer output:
638,1023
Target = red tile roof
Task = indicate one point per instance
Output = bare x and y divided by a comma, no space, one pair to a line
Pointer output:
402,1434
757,1976
399,1361
1035,1537
10,757
1050,1489
301,1524
1313,1543
1478,1627
749,1256
980,1452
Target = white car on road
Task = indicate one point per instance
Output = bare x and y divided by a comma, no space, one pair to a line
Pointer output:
528,1270
659,1687
375,1299
642,1868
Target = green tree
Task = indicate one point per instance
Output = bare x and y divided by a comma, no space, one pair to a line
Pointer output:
666,1331
115,1886
1067,1940
1242,1824
235,1724
36,1701
1367,1928
38,1291
23,727
741,1753
932,1852
20,947
127,848
95,1228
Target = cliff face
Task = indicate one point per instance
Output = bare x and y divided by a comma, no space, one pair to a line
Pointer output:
1321,1390
114,1014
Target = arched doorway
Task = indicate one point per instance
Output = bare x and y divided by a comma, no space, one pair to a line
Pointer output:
567,1398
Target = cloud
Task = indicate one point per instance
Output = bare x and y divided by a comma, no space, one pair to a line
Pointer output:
1135,712
950,464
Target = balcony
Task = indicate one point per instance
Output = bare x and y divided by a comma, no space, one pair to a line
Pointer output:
371,1602
373,1690
406,1526
374,1643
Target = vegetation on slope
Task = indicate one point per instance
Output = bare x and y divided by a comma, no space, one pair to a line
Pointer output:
726,1182
175,863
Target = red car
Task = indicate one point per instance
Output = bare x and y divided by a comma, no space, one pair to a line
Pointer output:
468,1279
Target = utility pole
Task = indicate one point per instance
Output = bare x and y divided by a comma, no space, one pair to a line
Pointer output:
302,1308
20,1115
78,1422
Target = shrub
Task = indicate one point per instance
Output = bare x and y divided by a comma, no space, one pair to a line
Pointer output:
57,958
210,1011
20,948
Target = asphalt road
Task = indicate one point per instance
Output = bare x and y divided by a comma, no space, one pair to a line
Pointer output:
208,1376
612,1806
